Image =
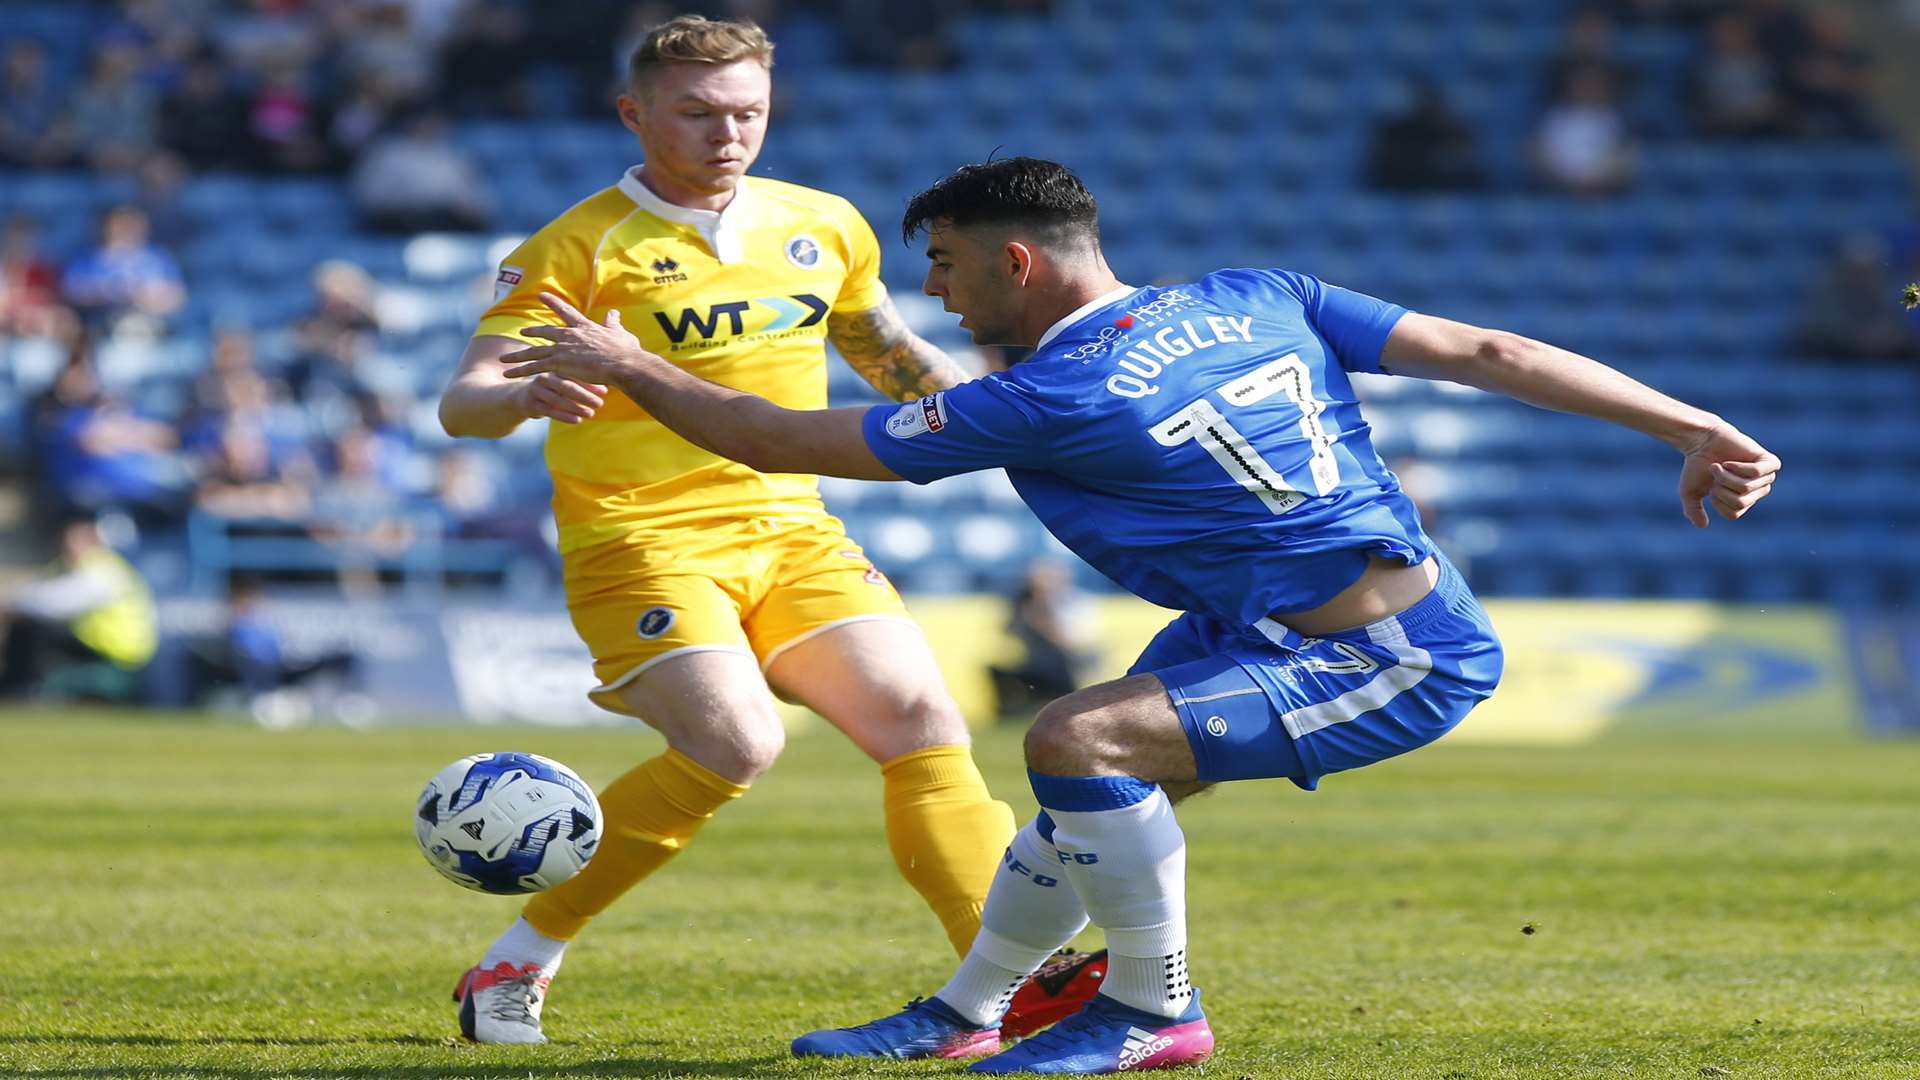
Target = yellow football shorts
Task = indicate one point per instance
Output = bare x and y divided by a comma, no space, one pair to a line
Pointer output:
752,586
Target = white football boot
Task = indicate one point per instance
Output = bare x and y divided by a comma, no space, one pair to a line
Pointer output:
502,1004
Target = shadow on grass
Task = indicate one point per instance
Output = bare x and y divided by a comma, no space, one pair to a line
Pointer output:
616,1066
466,1071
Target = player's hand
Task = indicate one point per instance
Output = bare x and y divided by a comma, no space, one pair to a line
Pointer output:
1727,470
583,350
555,397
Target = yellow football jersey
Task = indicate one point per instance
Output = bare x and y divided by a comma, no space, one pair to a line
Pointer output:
739,297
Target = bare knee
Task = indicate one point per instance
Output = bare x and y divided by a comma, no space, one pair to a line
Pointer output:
1123,728
739,738
740,753
899,723
930,719
1066,740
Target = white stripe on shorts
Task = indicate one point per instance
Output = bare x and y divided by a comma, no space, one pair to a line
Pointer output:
1217,697
1410,666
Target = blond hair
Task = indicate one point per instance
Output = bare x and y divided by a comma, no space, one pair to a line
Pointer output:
696,39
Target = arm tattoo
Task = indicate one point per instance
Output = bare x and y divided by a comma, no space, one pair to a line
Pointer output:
877,344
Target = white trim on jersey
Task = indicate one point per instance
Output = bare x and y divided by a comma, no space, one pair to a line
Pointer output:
1081,312
1410,666
719,228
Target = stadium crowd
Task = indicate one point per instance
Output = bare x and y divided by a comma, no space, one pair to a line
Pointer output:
292,423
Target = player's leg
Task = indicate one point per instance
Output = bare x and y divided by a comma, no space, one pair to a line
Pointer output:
834,636
1030,910
721,732
1262,704
670,650
1097,759
1005,910
876,680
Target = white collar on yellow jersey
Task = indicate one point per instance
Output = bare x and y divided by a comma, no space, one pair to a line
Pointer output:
1082,312
719,228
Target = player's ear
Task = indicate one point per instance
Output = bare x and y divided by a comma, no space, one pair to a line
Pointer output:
630,108
1019,262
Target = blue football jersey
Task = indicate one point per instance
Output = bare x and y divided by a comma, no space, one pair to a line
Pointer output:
1200,444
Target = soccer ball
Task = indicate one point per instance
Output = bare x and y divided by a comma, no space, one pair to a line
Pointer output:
507,823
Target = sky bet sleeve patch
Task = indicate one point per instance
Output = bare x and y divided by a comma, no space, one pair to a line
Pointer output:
919,417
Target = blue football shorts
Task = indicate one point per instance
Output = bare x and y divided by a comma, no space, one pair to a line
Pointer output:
1262,701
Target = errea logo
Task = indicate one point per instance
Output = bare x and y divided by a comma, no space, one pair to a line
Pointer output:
667,272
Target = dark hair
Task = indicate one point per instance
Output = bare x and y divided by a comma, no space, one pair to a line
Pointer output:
1043,196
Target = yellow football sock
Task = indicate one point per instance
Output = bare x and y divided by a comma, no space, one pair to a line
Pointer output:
947,834
650,813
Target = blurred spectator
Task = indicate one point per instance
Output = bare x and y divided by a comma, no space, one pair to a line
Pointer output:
417,180
268,33
1425,148
250,459
285,123
328,373
343,303
1736,89
1854,314
203,119
249,656
1590,45
1583,145
162,179
115,116
127,275
90,609
470,506
33,129
382,45
1829,80
358,514
1047,622
94,454
30,287
1641,13
1778,25
368,109
907,37
241,480
486,58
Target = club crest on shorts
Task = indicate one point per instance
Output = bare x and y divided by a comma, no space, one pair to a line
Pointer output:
655,622
803,252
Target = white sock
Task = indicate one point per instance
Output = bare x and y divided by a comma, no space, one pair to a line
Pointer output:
522,945
1128,863
1031,911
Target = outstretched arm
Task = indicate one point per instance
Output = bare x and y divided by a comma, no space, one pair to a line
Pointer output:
1722,466
480,401
741,426
898,362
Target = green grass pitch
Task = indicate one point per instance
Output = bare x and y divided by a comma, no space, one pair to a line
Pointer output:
185,898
